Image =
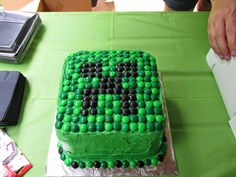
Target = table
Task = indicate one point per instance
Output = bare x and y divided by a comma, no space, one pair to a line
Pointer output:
203,142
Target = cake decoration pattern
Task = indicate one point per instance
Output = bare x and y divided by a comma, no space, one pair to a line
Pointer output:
110,112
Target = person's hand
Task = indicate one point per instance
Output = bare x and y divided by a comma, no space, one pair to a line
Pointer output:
222,28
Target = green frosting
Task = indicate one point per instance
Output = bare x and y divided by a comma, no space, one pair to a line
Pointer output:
96,124
111,145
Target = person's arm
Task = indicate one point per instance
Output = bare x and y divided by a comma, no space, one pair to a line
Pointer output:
222,28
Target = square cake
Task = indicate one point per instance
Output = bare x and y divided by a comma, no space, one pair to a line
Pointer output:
110,111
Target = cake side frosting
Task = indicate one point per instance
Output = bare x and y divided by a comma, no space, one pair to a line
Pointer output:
110,110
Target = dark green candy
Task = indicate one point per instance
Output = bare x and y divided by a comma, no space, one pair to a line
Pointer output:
82,165
104,164
116,126
91,127
74,128
125,164
100,127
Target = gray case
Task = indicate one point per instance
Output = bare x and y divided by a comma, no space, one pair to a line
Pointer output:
17,31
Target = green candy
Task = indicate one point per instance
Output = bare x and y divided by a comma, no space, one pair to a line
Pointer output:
95,80
76,111
133,164
111,164
101,111
139,78
149,104
108,127
116,126
83,120
77,103
112,74
157,104
154,161
117,110
62,102
142,119
109,105
133,126
65,88
89,164
147,162
99,126
141,111
147,97
70,103
159,118
116,104
109,111
140,84
75,76
116,97
66,127
158,126
155,91
125,164
63,156
141,104
125,119
104,164
91,127
82,165
105,73
69,111
139,90
117,117
91,118
134,118
147,91
83,128
88,79
154,79
59,116
139,97
150,118
67,118
81,85
58,124
81,80
75,119
125,85
100,118
141,127
74,128
66,82
71,96
125,127
109,119
61,109
101,104
67,161
109,97
150,127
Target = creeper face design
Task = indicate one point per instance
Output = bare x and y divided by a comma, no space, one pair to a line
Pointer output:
109,90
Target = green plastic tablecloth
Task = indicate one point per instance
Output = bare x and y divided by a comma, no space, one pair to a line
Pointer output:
203,142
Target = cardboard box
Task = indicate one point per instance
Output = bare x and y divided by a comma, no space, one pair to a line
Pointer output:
48,5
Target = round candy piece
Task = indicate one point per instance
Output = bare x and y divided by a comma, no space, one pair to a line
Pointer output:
74,164
97,164
140,164
125,164
89,164
104,164
133,164
118,164
67,162
111,164
133,126
82,165
141,127
125,127
83,128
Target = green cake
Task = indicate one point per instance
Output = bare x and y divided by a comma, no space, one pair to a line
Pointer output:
110,112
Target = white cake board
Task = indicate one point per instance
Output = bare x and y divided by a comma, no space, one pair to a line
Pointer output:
56,168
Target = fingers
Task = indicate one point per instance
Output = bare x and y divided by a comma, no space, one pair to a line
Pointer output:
231,35
212,41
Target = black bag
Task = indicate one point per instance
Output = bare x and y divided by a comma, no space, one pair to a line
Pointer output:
12,85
